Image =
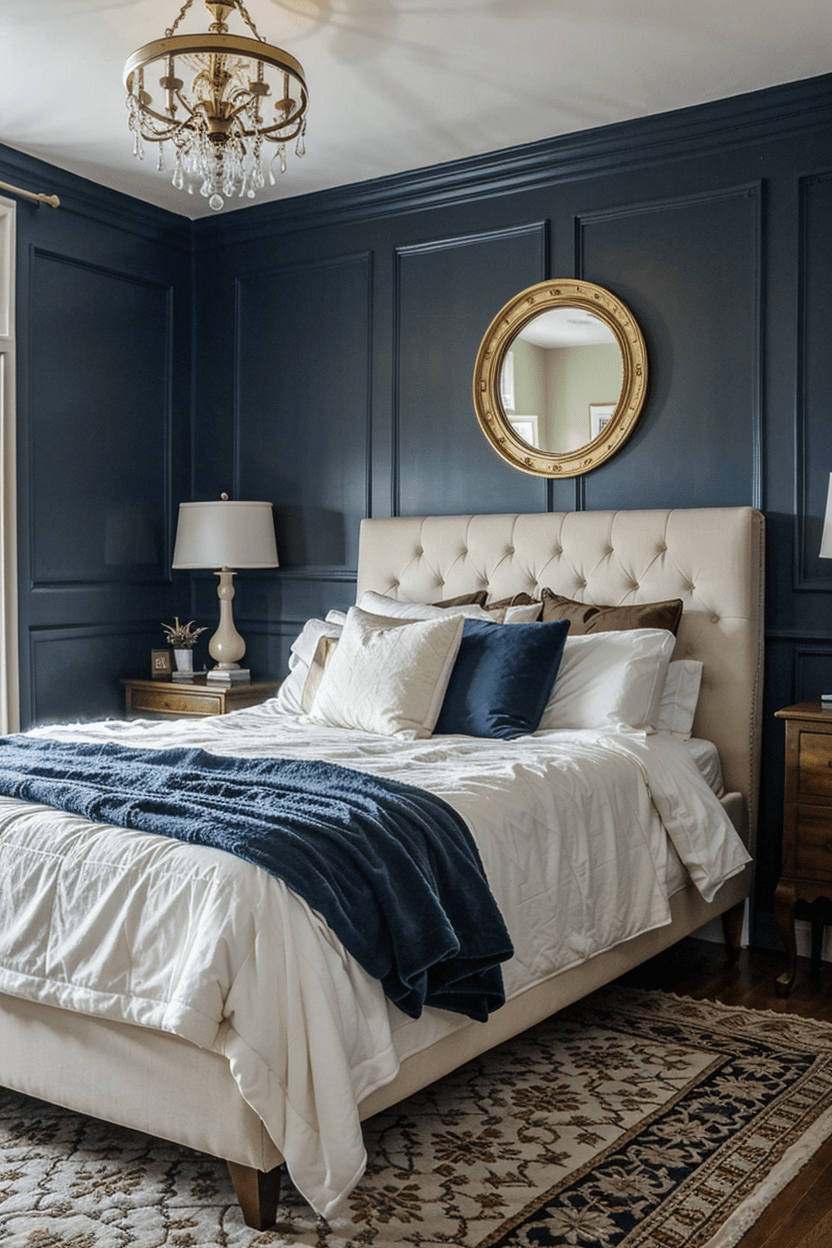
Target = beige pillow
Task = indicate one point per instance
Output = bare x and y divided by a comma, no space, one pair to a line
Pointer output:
388,676
587,617
323,652
519,609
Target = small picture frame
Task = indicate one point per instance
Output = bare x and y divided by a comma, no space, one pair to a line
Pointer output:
526,428
161,664
599,415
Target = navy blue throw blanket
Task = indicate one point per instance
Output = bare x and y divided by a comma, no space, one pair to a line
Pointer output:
393,870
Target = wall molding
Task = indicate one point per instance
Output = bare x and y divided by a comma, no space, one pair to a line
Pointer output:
537,227
803,654
319,264
677,203
96,202
162,574
42,635
310,572
628,146
804,580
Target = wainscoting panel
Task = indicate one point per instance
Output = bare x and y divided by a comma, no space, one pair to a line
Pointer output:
442,461
302,417
814,413
99,423
689,268
74,671
812,670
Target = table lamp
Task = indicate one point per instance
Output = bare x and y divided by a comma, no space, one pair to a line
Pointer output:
225,536
826,553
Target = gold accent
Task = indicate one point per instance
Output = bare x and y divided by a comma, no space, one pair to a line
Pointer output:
209,105
488,367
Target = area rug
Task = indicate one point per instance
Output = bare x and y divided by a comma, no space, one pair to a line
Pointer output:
631,1120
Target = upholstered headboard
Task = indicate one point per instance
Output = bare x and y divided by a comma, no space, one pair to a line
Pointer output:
711,558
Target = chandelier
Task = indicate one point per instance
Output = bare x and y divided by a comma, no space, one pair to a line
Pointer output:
221,98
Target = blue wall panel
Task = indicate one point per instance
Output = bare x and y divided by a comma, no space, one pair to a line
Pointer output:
303,403
447,291
108,517
690,271
103,439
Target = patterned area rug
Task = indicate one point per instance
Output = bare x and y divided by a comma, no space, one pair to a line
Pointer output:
632,1120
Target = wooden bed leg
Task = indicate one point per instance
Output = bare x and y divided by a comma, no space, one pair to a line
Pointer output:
258,1192
732,921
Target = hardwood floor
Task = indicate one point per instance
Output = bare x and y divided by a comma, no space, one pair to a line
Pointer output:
801,1217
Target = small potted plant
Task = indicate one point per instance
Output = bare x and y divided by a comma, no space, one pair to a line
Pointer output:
182,639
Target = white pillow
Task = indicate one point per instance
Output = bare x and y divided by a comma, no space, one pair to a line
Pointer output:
523,613
395,608
301,654
388,676
610,679
680,697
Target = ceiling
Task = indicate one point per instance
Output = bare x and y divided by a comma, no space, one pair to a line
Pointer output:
401,84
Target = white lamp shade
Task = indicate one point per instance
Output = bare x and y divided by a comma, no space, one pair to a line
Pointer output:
826,536
225,534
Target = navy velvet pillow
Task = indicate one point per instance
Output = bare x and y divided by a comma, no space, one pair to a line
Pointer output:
502,678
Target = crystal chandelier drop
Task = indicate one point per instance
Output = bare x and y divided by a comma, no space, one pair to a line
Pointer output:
221,98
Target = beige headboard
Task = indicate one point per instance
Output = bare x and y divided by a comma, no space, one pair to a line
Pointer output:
711,558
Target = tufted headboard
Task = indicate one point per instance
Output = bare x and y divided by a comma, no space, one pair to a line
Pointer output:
711,558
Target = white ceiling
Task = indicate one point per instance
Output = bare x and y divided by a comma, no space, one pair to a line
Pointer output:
401,84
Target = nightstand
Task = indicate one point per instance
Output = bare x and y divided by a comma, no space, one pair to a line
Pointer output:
165,699
807,828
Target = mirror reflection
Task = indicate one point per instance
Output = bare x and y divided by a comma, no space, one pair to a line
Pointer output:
561,379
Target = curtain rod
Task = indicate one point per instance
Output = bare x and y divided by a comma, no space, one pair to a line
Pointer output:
39,198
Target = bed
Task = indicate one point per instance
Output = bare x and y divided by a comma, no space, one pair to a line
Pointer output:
190,1087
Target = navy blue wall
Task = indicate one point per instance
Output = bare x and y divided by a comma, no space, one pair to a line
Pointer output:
103,399
333,344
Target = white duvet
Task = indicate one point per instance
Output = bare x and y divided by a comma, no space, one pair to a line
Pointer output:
572,829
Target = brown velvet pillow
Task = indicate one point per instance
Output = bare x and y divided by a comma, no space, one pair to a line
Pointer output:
477,598
585,617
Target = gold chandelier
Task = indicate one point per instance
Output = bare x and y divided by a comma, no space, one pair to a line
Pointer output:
222,97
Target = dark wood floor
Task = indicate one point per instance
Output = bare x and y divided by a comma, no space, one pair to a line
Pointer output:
801,1217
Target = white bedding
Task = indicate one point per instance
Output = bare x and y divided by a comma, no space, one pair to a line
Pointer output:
145,930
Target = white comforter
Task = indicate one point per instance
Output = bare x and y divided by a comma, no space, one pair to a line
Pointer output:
122,925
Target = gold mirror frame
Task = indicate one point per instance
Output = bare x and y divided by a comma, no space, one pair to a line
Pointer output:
507,324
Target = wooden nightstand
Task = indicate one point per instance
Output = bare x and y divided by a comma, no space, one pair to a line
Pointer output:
165,699
807,828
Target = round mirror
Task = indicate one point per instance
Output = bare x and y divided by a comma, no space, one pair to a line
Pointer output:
560,378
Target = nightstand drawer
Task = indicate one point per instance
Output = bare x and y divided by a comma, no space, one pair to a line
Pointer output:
175,704
813,842
160,699
815,764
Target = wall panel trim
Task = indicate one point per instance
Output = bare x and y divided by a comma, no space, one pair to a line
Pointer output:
40,635
628,146
753,191
365,258
803,579
802,655
162,576
434,246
